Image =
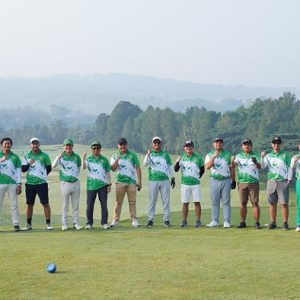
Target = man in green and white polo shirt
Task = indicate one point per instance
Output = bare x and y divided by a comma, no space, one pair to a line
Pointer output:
10,179
279,178
129,179
222,179
192,169
295,164
37,164
98,183
248,163
69,164
160,172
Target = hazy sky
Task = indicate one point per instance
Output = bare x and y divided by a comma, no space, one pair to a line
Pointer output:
230,42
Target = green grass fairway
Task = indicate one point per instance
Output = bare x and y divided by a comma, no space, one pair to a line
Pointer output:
147,263
156,263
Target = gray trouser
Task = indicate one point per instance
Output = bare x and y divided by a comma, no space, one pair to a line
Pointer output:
220,190
70,191
154,188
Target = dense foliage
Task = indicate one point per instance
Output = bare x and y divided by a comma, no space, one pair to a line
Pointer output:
260,121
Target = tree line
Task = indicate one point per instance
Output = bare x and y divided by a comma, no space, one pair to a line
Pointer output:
260,121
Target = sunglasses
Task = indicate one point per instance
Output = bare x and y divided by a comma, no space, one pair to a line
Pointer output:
96,148
276,143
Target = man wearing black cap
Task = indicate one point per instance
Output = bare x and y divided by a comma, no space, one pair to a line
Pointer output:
248,163
192,169
98,183
222,179
279,177
160,176
129,180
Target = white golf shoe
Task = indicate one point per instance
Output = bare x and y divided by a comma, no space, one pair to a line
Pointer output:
213,223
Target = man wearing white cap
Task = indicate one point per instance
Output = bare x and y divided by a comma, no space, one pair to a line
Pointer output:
37,164
161,177
222,179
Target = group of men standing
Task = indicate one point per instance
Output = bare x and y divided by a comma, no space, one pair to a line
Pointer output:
37,166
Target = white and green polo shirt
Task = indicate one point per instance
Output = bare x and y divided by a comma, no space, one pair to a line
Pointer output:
69,167
247,169
297,166
190,168
10,169
220,168
278,165
159,164
97,167
37,172
127,167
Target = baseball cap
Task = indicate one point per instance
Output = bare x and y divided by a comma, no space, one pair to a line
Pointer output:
96,143
247,141
68,142
122,141
276,139
188,144
156,138
34,139
218,138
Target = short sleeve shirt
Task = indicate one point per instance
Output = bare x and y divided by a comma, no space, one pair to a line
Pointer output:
297,166
127,167
97,167
37,172
159,164
220,169
247,169
69,167
190,169
278,165
10,169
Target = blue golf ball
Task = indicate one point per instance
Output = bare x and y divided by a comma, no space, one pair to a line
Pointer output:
51,268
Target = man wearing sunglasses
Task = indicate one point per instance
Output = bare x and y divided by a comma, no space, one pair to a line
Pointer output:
161,177
98,183
129,180
279,177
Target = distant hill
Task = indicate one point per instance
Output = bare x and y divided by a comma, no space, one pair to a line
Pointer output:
95,94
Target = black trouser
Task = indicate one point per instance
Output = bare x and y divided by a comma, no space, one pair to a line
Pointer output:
91,197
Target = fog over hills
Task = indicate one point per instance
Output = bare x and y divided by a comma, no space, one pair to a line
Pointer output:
95,94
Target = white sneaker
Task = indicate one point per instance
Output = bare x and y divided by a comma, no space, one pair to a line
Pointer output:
64,227
88,227
213,223
77,226
298,228
105,226
226,224
135,223
114,223
49,227
27,227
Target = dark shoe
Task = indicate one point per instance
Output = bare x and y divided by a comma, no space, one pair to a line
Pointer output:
17,228
183,223
285,226
149,223
198,223
257,225
272,225
167,224
242,225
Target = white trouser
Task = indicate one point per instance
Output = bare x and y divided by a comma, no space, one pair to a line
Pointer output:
70,190
154,188
13,197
